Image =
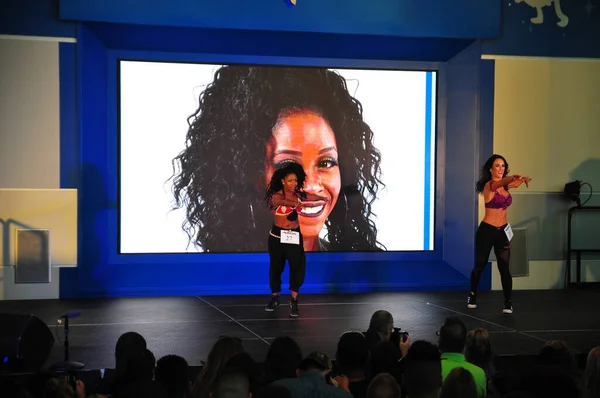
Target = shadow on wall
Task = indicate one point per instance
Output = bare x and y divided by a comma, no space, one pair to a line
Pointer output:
6,243
586,224
545,217
6,233
585,227
588,171
94,210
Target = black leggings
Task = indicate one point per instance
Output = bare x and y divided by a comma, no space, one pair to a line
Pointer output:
278,253
487,237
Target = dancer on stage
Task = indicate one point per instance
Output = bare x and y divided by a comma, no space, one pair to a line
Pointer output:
285,196
495,231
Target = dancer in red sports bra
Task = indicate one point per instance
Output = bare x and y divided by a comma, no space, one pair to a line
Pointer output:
285,196
494,231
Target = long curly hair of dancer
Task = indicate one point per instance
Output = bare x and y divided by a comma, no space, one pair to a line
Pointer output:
486,175
219,178
275,185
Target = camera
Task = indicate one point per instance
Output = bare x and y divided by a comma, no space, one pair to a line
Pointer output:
398,335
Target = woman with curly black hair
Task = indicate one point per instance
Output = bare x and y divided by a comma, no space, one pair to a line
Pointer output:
252,120
286,198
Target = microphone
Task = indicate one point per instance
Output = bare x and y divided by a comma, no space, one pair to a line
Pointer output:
67,365
72,314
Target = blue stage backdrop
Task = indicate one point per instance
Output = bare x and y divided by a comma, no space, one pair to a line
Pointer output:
104,272
395,35
407,18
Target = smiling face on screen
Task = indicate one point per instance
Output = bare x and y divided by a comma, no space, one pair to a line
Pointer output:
306,138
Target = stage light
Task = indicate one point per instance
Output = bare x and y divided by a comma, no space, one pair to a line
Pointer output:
573,190
290,3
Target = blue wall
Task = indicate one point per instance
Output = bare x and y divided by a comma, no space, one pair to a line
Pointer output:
408,34
462,160
408,18
103,272
393,34
548,37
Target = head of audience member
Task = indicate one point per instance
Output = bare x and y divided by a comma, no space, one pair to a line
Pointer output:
422,370
244,363
315,362
558,355
282,359
479,351
459,384
380,327
592,373
352,355
135,367
384,385
453,336
129,342
172,372
220,353
231,382
135,378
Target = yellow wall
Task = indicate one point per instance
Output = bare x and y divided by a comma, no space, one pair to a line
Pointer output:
547,117
29,114
30,194
547,125
54,209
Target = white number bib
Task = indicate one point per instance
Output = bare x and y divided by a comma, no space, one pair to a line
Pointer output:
508,231
290,237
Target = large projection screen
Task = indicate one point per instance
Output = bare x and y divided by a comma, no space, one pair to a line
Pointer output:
215,133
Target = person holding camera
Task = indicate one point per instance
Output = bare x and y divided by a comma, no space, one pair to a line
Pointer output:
387,345
381,329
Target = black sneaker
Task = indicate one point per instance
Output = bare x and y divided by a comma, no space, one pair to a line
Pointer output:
472,301
294,308
508,308
274,303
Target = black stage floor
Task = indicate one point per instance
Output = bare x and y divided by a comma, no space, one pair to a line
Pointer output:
188,326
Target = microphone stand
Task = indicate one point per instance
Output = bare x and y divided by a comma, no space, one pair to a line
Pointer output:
67,365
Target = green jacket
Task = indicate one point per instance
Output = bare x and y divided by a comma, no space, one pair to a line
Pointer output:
451,360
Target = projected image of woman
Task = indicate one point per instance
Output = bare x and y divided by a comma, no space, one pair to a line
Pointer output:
494,230
253,120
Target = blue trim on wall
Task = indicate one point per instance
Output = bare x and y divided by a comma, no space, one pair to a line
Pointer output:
486,128
461,163
69,151
428,138
279,44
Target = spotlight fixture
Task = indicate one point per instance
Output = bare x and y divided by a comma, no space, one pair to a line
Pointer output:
291,3
573,190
